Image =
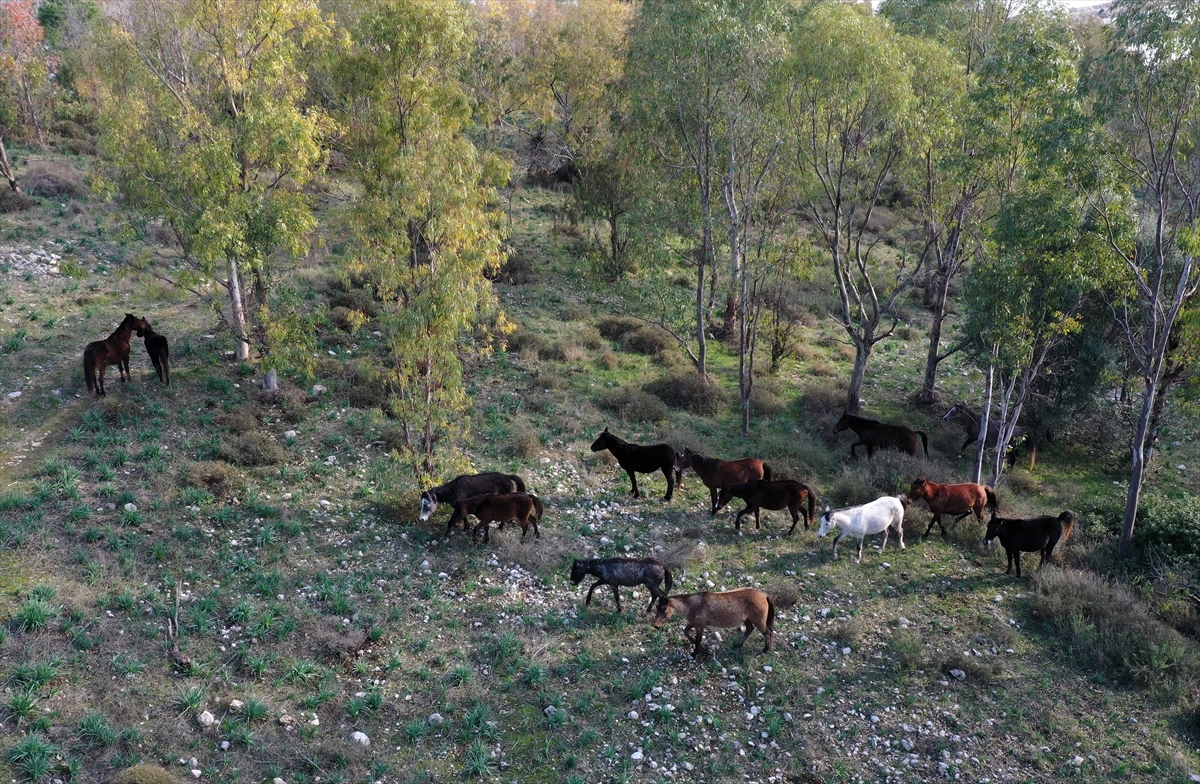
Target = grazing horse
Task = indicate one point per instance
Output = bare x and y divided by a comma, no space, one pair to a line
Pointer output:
741,606
970,422
113,350
715,473
641,459
523,508
1038,534
863,521
773,495
460,488
875,434
156,347
959,500
623,571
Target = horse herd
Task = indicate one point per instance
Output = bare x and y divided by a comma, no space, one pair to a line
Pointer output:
500,498
114,350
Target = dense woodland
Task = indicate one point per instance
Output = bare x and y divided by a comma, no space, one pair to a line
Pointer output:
724,221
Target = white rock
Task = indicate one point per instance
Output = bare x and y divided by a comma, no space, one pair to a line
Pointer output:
360,738
1181,466
236,705
225,745
435,719
278,780
286,496
1194,777
550,710
1077,761
130,507
13,395
443,576
903,621
632,715
637,756
314,721
907,744
846,651
324,503
196,772
205,719
959,674
289,434
544,461
319,389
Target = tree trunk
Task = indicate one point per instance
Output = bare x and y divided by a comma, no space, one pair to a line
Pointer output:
1137,468
7,170
983,424
701,341
929,393
239,313
862,352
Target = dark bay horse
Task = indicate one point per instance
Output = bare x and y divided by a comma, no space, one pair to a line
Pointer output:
876,434
156,347
614,572
1038,534
970,422
637,459
746,607
113,350
523,508
715,473
460,488
960,500
773,495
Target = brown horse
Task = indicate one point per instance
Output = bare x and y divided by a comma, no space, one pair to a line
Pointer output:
959,500
776,495
523,508
715,473
1038,534
741,606
113,350
875,434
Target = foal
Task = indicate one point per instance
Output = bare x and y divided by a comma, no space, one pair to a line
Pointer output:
742,606
623,571
523,508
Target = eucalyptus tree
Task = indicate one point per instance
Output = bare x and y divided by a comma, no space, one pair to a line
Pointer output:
204,128
422,228
699,75
1147,92
855,107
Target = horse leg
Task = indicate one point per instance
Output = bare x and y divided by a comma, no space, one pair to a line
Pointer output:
655,594
746,636
836,539
900,532
588,600
883,544
935,520
962,450
633,479
756,522
1017,557
712,494
699,649
861,541
854,449
870,451
737,521
668,472
102,368
796,518
1009,553
616,595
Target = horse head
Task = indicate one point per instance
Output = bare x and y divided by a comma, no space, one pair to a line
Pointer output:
577,572
994,527
683,459
951,414
919,485
428,505
826,522
842,423
601,442
665,611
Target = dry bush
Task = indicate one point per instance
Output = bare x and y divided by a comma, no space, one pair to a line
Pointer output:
524,441
328,368
69,129
545,556
548,379
908,649
905,332
357,299
609,360
616,327
216,476
252,448
121,413
1106,627
849,631
239,421
765,400
686,390
145,774
79,147
574,312
518,268
978,669
591,338
14,202
565,351
369,386
647,340
53,180
632,405
524,342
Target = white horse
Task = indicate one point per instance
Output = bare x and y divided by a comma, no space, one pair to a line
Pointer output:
863,521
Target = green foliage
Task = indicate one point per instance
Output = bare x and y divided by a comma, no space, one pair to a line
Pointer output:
33,756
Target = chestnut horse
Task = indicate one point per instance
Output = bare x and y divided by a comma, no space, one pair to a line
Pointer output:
776,495
715,473
741,607
874,433
524,508
113,350
959,500
1039,534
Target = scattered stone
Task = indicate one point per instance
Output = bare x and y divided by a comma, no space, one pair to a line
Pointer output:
959,674
544,461
903,621
278,780
236,705
324,503
286,720
360,738
632,715
319,389
14,395
225,745
550,710
425,567
289,434
314,721
1077,761
131,507
286,496
196,773
846,651
443,576
907,744
436,720
637,756
205,719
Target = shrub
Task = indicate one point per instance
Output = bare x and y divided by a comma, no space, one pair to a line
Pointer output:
573,312
647,340
145,774
765,400
616,327
254,448
53,180
368,386
357,300
524,441
239,421
591,338
216,476
632,405
523,341
684,389
565,351
14,202
609,361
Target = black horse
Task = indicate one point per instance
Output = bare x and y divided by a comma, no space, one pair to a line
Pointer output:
460,488
1035,535
970,422
160,355
641,459
876,434
623,571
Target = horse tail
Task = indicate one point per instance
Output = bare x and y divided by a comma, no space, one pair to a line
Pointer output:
166,362
768,474
924,441
518,482
537,506
1068,521
992,502
812,504
89,370
770,613
668,580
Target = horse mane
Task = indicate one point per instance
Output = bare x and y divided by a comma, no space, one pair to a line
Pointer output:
709,463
